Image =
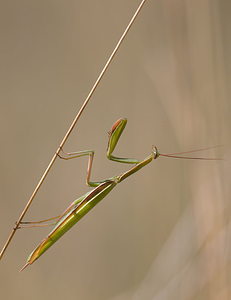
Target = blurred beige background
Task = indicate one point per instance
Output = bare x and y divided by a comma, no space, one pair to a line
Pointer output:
165,232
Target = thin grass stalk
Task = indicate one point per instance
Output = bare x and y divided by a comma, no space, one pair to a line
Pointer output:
70,129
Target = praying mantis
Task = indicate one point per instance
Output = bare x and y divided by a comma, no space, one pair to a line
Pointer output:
84,204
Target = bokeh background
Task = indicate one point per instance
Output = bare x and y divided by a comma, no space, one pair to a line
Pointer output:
165,232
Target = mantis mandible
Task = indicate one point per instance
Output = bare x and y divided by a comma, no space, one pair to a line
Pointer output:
84,204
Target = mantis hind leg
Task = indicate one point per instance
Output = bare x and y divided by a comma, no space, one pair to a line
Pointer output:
29,224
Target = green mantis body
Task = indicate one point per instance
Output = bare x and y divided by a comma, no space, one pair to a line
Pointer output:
84,204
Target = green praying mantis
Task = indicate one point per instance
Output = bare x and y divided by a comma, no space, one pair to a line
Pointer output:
84,204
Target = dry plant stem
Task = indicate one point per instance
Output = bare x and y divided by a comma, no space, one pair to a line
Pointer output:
70,129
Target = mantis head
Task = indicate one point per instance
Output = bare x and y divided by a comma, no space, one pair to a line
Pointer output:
155,152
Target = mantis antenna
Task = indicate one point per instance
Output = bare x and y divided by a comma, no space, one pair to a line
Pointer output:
181,154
